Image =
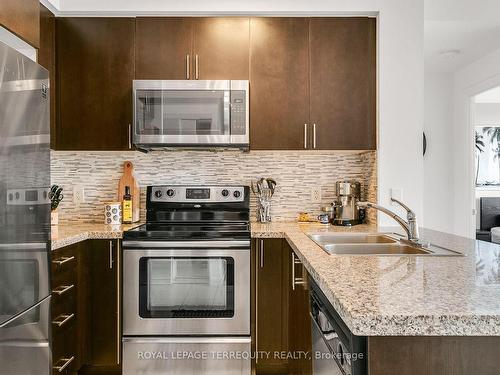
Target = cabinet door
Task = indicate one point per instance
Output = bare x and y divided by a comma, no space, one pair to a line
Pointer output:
95,58
279,92
163,48
271,305
343,83
22,18
47,58
221,46
104,332
299,327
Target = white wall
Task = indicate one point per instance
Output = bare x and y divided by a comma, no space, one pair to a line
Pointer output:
487,114
438,160
400,74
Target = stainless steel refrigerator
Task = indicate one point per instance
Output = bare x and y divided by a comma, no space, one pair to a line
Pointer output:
24,216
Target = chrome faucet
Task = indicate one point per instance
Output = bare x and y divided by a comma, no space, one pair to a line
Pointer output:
409,225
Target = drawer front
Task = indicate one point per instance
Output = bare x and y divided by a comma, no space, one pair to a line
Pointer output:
63,305
64,264
64,348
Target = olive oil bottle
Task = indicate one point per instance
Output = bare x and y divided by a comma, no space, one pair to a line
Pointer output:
127,206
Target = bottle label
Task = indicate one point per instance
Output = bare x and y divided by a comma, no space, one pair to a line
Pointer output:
127,211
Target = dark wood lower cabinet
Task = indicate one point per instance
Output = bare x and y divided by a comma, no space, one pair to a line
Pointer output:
434,355
271,302
67,336
282,322
85,292
299,322
102,286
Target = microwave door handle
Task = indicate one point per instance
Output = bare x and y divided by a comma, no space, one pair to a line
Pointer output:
227,113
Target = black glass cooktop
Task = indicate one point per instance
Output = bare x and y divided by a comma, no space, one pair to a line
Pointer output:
186,232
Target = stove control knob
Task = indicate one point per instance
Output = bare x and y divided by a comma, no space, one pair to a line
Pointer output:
237,194
225,193
170,192
158,193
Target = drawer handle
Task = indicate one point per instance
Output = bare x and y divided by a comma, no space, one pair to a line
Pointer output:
60,290
62,260
63,319
296,280
66,363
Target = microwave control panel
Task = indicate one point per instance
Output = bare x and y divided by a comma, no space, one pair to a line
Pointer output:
238,112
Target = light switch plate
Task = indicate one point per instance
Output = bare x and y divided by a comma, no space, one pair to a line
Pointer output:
396,194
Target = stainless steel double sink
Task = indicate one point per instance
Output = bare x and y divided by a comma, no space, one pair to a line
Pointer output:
377,244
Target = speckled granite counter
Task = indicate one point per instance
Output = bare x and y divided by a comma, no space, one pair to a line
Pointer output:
377,295
69,234
404,295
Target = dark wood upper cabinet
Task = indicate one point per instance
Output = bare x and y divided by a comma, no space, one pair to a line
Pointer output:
95,62
221,48
343,82
22,18
47,58
279,76
163,48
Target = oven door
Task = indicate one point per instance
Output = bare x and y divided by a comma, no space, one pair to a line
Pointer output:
186,291
182,113
24,277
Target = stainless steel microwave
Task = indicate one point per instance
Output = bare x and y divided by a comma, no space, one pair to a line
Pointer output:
198,113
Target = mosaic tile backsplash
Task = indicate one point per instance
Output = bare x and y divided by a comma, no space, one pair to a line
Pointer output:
296,173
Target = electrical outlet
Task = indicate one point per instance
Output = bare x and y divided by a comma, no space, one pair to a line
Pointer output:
78,194
316,194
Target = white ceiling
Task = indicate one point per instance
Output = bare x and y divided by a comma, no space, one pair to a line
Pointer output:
470,26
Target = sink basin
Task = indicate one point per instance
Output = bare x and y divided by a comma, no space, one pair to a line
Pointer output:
375,249
375,244
321,238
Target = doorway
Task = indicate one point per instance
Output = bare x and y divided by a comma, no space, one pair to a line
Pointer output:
486,124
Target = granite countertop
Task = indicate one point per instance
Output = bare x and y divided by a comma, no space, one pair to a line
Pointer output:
382,295
70,233
404,295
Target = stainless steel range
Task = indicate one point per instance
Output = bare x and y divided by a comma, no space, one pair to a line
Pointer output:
186,283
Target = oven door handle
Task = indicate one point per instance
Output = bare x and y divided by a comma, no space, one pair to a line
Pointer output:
185,244
190,340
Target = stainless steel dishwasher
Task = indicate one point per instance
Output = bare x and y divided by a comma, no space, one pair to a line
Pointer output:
336,351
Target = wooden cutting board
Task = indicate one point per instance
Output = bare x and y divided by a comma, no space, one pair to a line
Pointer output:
128,179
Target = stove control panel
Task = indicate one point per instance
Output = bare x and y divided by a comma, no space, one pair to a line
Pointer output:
180,194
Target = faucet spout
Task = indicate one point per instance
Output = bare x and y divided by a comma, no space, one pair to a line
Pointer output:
410,226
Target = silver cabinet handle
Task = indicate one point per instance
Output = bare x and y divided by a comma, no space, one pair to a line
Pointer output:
257,300
60,290
187,66
261,247
63,319
295,280
118,303
130,136
63,260
305,136
314,135
66,363
110,255
196,67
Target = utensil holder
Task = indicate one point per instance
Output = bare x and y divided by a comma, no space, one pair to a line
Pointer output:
264,211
